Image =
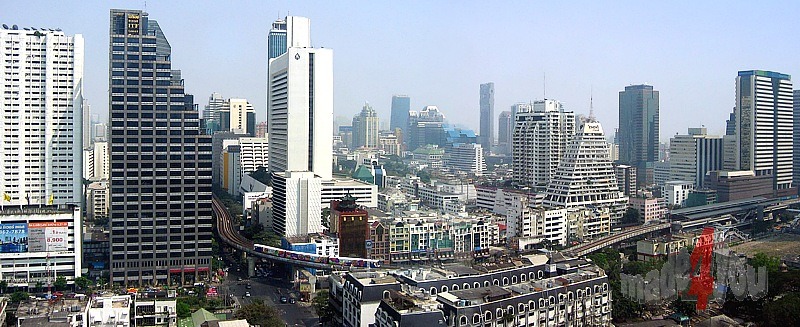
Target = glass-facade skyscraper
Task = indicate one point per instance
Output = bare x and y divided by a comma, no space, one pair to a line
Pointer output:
401,105
639,130
160,184
292,31
487,116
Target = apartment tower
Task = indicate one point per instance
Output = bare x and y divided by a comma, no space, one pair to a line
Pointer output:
42,112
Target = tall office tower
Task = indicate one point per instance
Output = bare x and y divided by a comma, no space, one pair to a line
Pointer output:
540,140
585,177
160,215
730,124
626,178
289,32
638,130
487,116
505,131
401,105
42,111
301,83
211,113
365,128
764,126
238,116
100,158
424,127
87,124
796,139
693,155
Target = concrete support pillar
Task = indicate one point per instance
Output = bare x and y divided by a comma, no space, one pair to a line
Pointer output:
251,267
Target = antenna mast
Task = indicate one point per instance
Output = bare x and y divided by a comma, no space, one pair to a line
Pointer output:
591,105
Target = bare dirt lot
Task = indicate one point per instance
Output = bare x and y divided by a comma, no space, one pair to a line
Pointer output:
780,245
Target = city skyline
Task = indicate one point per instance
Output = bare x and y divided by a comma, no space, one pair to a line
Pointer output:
595,53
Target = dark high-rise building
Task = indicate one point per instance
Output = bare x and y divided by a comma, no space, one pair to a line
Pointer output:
487,116
505,130
639,130
160,180
401,105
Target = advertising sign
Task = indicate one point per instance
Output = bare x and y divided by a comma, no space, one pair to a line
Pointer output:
14,238
48,236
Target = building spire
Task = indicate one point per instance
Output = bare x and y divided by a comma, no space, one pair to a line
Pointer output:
591,106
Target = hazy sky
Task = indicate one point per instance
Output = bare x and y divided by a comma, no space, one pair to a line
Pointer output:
439,52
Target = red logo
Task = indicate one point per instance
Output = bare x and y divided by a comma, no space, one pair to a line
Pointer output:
702,284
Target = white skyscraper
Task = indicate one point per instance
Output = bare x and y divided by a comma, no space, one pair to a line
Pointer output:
300,111
764,126
585,177
42,112
100,156
539,141
300,116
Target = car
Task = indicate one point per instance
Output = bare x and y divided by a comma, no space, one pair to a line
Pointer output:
249,286
239,279
292,300
246,294
284,299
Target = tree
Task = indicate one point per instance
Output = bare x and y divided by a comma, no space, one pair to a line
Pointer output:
3,286
631,216
183,309
39,285
783,311
60,283
258,313
19,296
321,305
685,308
82,282
772,264
424,176
326,217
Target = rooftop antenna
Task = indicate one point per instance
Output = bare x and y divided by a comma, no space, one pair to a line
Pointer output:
591,105
544,85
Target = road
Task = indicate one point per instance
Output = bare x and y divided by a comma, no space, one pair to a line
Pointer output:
270,291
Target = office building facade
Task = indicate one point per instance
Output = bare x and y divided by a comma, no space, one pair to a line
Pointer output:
505,131
401,105
301,83
288,32
796,138
639,129
160,180
693,155
764,121
42,113
487,116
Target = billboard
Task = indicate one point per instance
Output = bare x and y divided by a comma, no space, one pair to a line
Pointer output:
47,236
14,238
